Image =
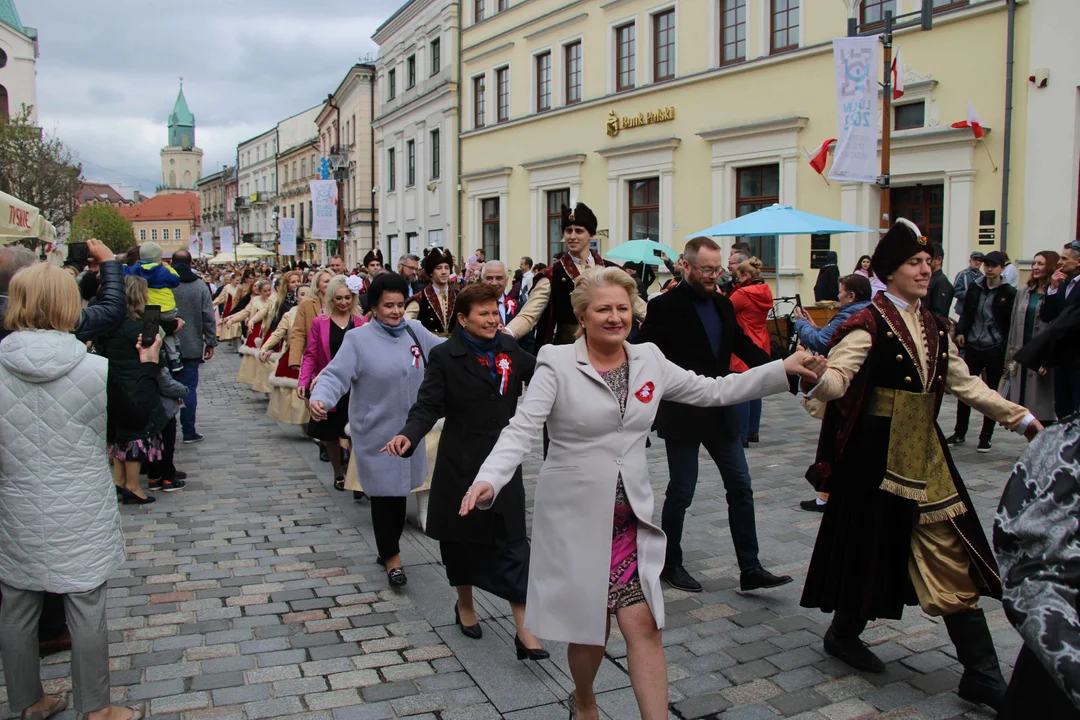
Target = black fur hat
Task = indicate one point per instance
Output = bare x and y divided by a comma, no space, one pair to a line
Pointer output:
373,255
581,215
434,257
904,240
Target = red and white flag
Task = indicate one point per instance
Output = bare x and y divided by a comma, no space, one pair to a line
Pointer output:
971,122
897,76
820,157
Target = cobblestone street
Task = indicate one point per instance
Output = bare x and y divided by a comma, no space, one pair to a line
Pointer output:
254,593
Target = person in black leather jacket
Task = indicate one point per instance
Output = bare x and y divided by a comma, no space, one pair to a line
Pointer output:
108,313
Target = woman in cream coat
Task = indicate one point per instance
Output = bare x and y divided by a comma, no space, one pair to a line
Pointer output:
284,406
599,398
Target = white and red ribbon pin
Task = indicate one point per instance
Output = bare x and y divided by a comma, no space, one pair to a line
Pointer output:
645,394
503,366
511,306
415,356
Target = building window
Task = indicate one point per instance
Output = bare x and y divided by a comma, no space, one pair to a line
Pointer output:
314,166
479,10
436,56
301,223
756,188
142,234
310,215
625,58
543,82
479,101
556,199
909,116
872,12
502,5
645,209
664,45
410,71
573,73
153,234
785,25
410,163
490,215
176,234
391,171
732,31
502,82
303,167
391,84
941,5
436,154
923,205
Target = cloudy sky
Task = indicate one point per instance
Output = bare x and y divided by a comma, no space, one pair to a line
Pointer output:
109,71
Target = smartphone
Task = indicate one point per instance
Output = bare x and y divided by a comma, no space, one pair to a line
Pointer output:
151,322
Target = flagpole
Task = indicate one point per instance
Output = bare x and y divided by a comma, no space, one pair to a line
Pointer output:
886,127
987,149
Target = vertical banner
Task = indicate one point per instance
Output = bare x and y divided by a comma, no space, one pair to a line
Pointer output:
414,245
193,245
324,200
288,236
395,250
226,239
856,156
208,244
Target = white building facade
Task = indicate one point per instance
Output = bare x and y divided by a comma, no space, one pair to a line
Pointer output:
18,64
417,127
257,190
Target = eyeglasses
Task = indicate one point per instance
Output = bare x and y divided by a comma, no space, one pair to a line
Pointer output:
707,270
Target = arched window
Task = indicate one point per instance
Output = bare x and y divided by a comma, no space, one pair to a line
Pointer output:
172,178
4,114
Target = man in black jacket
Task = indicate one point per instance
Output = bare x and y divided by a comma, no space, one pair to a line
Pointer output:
983,333
694,326
940,296
1063,293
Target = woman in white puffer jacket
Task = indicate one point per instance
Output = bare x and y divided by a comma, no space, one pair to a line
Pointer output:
59,520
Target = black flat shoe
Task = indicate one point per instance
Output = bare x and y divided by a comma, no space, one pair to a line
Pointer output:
853,652
677,577
358,495
753,437
812,506
525,653
471,631
128,497
761,579
339,483
396,578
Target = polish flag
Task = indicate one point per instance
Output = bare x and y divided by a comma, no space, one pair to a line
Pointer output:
897,76
820,156
971,122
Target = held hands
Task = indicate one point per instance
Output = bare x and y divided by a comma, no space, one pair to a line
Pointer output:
1034,428
808,367
264,355
480,493
317,409
397,447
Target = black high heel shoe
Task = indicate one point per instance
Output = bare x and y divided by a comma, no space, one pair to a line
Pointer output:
525,653
470,631
128,497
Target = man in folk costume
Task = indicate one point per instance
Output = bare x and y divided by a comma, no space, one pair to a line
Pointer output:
900,528
434,305
549,309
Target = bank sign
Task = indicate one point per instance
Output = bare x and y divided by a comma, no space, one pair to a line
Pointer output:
616,124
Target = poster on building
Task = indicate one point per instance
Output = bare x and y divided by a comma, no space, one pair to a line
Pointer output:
208,243
856,157
226,239
288,236
324,200
414,244
395,247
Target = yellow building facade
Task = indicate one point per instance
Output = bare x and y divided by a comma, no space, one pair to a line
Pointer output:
669,117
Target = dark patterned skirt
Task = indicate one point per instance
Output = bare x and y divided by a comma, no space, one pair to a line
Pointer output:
143,450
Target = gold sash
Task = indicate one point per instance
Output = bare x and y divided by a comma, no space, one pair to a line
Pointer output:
916,468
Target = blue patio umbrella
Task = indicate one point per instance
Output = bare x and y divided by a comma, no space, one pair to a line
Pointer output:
779,220
647,251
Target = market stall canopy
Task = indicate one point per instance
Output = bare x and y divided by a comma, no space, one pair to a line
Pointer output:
244,251
779,220
647,251
23,221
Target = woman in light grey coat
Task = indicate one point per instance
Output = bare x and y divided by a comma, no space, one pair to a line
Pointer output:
381,366
59,520
1031,387
595,550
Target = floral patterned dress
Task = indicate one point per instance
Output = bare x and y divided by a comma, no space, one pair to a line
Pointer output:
624,585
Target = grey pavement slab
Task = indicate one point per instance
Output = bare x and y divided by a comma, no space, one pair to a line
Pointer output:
253,593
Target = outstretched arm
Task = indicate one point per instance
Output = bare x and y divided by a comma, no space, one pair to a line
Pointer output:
683,386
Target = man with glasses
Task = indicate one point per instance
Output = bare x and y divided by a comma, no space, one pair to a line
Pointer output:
695,327
409,268
1064,293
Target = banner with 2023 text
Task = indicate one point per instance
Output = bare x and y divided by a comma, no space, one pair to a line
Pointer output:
288,236
324,200
856,156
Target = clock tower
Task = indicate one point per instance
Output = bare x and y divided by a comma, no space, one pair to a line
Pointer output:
181,161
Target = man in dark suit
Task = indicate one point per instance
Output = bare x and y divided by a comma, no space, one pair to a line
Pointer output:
494,274
1064,292
695,327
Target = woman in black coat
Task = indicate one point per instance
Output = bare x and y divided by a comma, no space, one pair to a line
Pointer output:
827,286
474,380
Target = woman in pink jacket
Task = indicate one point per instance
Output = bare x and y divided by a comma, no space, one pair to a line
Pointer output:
324,340
753,300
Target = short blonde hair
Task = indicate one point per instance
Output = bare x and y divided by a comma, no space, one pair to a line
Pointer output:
336,283
751,267
594,278
43,297
136,295
315,281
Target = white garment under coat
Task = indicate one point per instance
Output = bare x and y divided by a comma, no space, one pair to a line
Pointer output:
382,375
591,444
59,520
